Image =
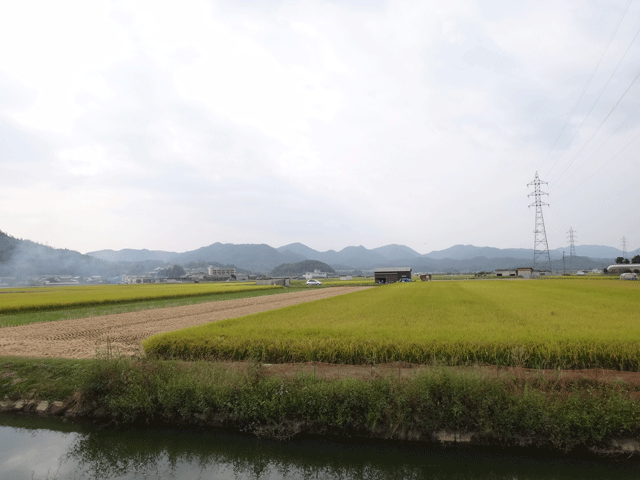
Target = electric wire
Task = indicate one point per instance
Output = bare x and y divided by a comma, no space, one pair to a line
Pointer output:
600,126
604,143
585,89
591,109
603,165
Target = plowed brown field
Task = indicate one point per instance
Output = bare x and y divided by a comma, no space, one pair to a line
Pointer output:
124,332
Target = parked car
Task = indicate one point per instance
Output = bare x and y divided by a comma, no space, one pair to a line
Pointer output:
313,282
406,279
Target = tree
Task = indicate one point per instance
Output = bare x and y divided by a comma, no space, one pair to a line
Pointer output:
172,271
137,268
626,261
619,260
636,259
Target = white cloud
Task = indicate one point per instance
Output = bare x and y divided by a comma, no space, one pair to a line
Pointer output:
327,123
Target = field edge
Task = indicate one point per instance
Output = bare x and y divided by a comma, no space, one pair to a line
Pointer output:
440,405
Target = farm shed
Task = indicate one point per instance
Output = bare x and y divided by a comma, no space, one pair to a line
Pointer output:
525,272
505,273
390,275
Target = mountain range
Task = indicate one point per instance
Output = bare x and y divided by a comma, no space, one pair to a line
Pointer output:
263,258
25,258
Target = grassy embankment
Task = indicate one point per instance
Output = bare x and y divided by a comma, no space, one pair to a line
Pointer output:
506,410
537,324
21,306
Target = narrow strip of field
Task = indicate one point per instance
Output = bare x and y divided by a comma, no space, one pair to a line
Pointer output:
122,333
29,299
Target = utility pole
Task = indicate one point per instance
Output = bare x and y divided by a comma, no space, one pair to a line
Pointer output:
624,247
540,245
564,271
572,248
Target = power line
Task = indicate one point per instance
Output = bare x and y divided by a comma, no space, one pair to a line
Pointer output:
604,165
587,85
600,126
607,140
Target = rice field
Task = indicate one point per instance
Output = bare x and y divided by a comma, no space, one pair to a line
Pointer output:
540,324
28,299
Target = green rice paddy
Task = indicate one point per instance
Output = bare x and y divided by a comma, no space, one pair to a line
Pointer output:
547,323
29,299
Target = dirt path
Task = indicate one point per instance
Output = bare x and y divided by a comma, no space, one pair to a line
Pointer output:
83,338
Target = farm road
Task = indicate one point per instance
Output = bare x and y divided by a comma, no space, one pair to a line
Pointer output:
84,337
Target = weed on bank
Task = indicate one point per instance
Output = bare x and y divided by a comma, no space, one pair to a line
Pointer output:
502,410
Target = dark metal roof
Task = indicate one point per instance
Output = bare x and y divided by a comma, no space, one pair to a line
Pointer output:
392,270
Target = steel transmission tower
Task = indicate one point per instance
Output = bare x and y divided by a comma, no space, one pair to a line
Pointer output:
572,247
624,247
540,245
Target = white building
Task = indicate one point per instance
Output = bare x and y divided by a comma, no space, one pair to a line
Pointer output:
315,274
137,279
221,272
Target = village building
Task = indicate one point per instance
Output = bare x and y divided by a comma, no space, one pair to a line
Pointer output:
391,275
505,273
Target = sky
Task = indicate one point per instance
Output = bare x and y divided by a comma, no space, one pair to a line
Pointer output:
175,125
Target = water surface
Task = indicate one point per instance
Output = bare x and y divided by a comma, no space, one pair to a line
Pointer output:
52,449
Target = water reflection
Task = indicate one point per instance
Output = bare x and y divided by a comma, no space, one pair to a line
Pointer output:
51,449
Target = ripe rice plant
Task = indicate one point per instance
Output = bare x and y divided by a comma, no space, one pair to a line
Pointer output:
539,324
30,299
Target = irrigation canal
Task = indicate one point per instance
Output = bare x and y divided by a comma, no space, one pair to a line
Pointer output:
46,448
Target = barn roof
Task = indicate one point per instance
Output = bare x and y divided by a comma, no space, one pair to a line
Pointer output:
392,269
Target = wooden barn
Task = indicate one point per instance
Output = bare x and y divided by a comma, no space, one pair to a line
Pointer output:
391,275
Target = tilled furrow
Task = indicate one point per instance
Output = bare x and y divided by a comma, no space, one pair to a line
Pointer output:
123,333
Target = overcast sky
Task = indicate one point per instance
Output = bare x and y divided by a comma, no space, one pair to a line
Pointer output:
175,125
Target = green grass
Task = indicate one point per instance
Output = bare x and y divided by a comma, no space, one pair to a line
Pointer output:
539,324
27,299
25,318
453,276
505,410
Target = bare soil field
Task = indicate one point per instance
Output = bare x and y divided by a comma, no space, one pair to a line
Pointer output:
123,333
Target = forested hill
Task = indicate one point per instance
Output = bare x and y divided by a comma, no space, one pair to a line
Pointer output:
300,268
24,258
